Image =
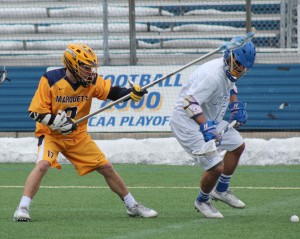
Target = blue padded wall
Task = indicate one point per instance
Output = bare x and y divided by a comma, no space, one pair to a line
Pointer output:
15,97
272,94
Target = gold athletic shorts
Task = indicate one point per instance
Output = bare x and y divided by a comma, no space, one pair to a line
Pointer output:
81,151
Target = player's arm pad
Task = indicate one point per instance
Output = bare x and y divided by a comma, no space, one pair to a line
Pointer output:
117,92
60,121
46,119
191,106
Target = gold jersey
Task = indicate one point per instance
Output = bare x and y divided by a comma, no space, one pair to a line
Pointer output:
55,92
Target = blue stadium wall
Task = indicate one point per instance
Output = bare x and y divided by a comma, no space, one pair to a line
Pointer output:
272,94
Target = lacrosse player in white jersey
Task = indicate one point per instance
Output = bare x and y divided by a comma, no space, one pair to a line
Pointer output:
198,118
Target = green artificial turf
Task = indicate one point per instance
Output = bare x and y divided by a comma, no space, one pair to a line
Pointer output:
70,206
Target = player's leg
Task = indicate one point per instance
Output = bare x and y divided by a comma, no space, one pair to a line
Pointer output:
233,143
34,179
87,157
231,159
208,182
193,141
117,185
32,185
113,179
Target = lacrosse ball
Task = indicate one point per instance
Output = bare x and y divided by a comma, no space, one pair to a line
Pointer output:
294,218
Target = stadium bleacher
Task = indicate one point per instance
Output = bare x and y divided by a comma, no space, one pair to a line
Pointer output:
44,28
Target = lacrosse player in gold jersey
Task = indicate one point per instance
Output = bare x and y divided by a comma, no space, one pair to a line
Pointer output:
63,96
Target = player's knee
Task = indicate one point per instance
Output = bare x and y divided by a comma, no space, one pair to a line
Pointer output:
216,170
43,166
240,149
106,169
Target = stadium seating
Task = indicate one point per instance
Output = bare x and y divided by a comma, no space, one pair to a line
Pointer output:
45,27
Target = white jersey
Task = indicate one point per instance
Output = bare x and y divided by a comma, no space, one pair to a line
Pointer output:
210,87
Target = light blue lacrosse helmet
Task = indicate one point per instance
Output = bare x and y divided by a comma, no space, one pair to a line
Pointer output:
233,60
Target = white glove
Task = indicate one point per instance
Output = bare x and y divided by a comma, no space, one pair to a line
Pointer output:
68,127
59,120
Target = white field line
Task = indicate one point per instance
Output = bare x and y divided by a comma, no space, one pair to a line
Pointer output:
154,187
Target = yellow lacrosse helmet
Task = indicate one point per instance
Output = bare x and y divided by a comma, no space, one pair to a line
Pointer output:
82,62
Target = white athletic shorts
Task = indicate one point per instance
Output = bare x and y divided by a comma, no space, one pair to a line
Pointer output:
192,140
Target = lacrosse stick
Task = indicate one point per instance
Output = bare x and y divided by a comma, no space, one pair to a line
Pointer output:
3,75
237,43
210,147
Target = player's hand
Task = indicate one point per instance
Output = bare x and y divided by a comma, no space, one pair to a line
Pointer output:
136,94
209,131
59,120
238,113
68,127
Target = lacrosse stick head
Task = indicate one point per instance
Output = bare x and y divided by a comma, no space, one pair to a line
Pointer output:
3,75
239,61
208,149
82,63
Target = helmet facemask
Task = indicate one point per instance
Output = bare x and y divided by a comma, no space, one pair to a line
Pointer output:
237,62
235,68
86,73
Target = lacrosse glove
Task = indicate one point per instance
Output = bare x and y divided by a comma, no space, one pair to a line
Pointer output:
59,120
238,113
63,124
209,131
68,127
136,94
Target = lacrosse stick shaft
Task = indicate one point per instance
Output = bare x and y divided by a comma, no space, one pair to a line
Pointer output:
225,129
146,86
228,45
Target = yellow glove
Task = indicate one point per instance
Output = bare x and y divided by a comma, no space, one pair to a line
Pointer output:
136,94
